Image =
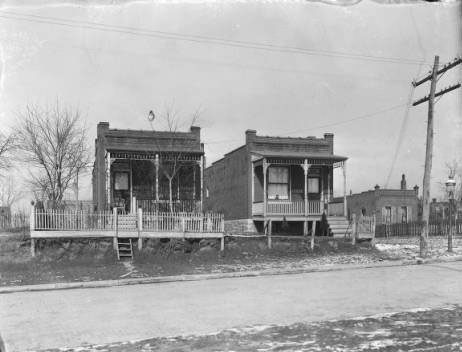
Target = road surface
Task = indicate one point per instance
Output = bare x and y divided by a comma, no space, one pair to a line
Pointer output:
67,318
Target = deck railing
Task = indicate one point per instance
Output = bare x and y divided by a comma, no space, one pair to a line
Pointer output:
68,220
183,222
64,220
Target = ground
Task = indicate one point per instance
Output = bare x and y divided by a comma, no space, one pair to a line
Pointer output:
418,330
67,260
89,260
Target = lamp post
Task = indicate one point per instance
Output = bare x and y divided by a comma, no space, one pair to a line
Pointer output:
450,190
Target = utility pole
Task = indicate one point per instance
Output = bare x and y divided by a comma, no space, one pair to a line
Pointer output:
433,77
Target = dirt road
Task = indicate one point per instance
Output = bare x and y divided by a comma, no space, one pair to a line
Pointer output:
74,317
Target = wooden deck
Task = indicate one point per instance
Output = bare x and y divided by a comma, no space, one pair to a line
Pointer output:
80,224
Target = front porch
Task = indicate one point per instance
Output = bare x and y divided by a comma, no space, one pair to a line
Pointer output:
296,189
154,182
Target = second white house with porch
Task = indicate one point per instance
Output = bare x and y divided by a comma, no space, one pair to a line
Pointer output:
277,184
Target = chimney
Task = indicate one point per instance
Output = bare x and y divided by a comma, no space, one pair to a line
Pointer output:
102,128
329,137
403,182
196,131
416,190
250,136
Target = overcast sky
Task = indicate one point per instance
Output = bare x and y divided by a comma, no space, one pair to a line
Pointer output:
117,76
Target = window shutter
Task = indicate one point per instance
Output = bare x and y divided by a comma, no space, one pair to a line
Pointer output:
409,214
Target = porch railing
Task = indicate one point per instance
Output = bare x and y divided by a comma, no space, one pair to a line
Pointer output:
152,205
288,208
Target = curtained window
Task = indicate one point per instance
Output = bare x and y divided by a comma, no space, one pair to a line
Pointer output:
313,185
278,182
404,214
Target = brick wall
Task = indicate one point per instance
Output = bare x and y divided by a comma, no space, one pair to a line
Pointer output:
240,226
227,185
374,201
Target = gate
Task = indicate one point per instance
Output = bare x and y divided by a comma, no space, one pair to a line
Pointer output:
363,227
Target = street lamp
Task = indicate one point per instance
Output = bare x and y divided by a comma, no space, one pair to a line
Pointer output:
450,190
151,117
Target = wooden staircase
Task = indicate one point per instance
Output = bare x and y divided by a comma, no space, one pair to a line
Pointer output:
124,248
340,226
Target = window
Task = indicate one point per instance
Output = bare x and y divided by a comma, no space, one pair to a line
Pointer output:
403,214
313,185
121,181
278,183
387,214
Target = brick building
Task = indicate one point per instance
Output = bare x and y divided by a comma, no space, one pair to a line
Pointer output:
388,205
132,169
274,182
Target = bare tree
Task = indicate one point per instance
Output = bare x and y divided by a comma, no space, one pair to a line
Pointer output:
171,167
53,141
6,146
10,192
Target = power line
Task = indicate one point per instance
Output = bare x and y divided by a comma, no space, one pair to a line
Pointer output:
401,133
239,65
361,117
200,39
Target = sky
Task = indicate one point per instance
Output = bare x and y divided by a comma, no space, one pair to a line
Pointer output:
350,75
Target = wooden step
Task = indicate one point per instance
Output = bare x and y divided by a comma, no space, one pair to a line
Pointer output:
124,248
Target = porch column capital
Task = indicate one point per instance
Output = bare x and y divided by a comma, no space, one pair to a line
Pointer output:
305,167
265,165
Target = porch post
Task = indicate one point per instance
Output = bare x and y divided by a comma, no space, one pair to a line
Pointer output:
322,189
252,186
157,177
201,166
306,167
108,180
265,168
344,189
32,228
194,183
132,206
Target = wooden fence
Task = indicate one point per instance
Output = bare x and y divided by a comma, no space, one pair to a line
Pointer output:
414,228
15,221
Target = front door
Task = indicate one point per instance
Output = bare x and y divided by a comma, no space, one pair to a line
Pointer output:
122,190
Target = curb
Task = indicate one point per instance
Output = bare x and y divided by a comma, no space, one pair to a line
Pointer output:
200,277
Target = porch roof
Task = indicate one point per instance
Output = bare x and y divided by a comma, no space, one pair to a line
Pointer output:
315,158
